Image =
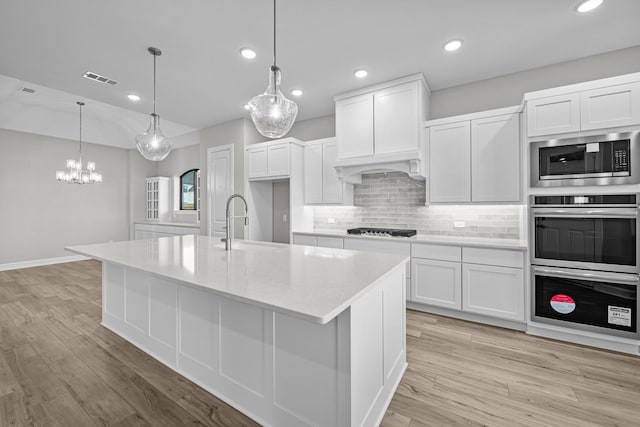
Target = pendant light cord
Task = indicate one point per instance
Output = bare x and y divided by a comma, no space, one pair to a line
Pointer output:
80,104
154,83
274,33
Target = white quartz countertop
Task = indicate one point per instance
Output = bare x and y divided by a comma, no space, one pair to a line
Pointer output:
480,242
315,284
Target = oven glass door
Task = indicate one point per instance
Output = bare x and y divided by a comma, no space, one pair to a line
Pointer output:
584,239
596,301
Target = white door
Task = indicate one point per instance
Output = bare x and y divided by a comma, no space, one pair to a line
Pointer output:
220,186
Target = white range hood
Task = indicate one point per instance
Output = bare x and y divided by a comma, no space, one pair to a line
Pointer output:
381,129
412,163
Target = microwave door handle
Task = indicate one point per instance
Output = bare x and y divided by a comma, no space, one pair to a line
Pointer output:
612,277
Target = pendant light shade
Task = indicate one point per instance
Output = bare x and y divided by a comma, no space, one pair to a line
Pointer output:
152,144
272,113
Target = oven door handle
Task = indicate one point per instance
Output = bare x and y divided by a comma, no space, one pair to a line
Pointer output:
577,274
582,212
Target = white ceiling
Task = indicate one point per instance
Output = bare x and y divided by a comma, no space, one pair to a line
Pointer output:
203,81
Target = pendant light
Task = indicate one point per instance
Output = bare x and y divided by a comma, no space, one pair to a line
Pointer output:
75,173
272,113
152,144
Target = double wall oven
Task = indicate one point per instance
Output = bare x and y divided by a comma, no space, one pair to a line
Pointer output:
585,257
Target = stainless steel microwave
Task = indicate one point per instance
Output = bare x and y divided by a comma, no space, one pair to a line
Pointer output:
591,160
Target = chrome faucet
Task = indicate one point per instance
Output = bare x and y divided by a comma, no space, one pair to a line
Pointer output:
227,239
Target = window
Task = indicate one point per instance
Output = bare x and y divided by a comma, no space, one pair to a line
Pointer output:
188,181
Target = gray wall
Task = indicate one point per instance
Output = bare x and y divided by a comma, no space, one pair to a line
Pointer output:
507,90
40,216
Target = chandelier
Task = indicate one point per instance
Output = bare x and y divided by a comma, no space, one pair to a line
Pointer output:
152,144
272,113
75,174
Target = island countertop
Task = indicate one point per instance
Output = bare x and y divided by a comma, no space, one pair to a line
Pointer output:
314,284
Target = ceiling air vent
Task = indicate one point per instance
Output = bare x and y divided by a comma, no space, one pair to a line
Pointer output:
98,78
27,90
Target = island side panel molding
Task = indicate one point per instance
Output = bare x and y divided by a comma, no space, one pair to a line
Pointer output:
280,370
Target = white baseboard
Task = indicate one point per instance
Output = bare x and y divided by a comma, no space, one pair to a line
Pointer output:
39,262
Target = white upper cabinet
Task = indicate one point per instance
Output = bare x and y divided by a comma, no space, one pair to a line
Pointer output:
475,157
354,126
396,119
157,190
321,182
450,162
557,114
495,159
600,104
382,120
269,160
610,107
278,159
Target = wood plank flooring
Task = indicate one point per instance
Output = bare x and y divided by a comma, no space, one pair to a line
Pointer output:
59,367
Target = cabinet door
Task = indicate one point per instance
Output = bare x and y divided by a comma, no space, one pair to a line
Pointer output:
313,168
556,114
495,159
257,159
396,119
354,126
493,291
278,160
450,162
610,107
331,185
436,283
305,240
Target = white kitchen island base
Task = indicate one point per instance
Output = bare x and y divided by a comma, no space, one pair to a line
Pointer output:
278,369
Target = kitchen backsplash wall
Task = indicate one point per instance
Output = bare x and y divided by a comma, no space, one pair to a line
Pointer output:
395,200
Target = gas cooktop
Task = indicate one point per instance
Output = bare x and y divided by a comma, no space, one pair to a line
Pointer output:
386,232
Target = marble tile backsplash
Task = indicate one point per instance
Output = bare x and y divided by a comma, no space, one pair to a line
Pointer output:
395,200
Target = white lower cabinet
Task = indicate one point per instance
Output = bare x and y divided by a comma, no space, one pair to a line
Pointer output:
436,282
482,281
493,291
305,240
320,241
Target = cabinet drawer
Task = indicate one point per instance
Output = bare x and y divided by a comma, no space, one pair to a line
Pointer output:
302,239
439,252
499,257
331,242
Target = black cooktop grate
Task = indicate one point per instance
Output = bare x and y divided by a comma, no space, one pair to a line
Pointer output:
393,232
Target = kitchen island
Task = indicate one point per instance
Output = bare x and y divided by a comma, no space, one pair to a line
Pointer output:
288,335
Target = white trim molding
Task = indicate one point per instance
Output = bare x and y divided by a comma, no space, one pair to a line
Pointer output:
40,262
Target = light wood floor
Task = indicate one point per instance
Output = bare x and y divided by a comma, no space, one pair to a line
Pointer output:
59,367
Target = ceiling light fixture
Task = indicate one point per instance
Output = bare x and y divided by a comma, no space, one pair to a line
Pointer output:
272,113
296,92
152,144
248,53
361,73
75,174
453,45
588,5
133,97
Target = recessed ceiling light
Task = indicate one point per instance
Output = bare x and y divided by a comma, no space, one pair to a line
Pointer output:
361,73
248,53
453,45
246,106
133,97
587,5
296,92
